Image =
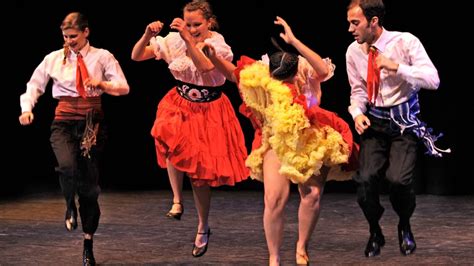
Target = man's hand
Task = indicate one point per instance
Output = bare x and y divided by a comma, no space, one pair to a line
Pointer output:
26,118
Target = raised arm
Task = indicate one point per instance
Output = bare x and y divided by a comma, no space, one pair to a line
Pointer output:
142,50
320,67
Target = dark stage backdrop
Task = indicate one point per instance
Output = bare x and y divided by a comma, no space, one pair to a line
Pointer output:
247,26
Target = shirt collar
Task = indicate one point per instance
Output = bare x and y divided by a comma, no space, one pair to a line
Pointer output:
382,41
85,50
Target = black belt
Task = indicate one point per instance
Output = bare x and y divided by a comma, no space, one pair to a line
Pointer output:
198,94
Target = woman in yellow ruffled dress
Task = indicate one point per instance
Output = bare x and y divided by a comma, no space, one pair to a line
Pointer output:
295,140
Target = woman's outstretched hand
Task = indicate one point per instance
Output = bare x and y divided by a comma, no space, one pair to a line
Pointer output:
287,35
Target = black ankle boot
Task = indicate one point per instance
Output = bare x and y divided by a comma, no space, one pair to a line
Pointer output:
406,240
375,244
88,255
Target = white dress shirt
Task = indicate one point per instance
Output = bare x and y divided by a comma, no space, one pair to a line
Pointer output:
100,63
415,71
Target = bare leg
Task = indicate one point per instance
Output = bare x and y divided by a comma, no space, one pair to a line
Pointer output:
277,190
202,201
176,182
308,212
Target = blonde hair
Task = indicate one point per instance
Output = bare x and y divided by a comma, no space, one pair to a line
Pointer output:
75,20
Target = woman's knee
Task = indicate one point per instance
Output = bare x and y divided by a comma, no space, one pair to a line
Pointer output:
312,198
275,202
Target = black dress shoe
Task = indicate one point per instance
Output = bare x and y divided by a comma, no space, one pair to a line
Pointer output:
376,241
71,219
176,215
87,255
199,251
406,240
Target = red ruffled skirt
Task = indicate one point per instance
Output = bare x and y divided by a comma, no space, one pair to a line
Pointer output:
204,140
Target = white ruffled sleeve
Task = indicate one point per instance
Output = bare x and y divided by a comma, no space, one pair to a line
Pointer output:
169,47
309,86
223,50
331,67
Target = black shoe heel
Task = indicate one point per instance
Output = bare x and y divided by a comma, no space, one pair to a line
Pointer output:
199,251
176,215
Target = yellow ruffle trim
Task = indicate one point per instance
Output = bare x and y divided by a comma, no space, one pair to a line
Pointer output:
301,147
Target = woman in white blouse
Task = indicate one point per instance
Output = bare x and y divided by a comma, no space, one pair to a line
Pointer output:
196,130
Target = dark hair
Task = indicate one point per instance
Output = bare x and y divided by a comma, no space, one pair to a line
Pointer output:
283,65
370,8
75,20
206,10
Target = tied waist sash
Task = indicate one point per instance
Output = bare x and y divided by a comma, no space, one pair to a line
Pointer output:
195,93
76,108
79,108
405,115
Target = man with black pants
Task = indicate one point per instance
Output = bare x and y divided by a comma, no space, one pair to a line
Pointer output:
386,69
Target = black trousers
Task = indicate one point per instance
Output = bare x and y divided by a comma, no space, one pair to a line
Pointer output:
78,175
386,153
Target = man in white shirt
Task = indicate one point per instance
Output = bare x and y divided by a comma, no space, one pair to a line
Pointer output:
384,106
80,73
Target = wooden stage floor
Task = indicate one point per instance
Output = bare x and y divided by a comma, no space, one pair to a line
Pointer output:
134,231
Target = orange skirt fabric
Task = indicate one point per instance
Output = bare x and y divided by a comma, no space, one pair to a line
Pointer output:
204,140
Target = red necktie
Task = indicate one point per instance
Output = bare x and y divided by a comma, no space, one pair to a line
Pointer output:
81,75
373,75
